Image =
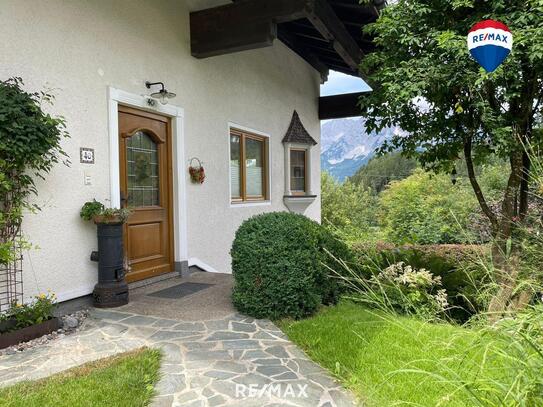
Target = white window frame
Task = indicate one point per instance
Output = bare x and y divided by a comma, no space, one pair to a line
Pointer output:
307,149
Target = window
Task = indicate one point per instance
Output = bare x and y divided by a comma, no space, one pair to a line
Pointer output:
298,171
143,172
248,166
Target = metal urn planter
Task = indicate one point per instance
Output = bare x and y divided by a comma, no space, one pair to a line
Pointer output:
111,289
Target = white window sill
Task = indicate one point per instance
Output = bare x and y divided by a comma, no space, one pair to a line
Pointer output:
298,203
249,204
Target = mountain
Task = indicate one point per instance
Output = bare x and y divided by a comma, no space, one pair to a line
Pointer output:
346,145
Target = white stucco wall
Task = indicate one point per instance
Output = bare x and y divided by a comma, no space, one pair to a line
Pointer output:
78,49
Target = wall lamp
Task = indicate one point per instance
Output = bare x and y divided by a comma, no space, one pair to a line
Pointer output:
162,95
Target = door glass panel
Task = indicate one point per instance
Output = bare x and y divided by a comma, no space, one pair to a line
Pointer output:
297,170
254,167
142,170
235,166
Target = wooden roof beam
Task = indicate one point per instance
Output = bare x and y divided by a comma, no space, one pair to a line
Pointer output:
339,106
305,53
372,9
251,24
240,26
323,17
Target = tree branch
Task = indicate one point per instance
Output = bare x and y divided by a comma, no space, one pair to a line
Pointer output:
476,187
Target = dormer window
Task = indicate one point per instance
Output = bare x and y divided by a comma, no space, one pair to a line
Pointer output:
298,144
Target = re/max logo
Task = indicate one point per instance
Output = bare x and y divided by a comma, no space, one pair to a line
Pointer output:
490,37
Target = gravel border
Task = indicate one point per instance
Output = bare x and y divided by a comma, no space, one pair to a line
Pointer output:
70,324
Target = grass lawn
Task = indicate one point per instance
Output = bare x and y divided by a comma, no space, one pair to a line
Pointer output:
123,380
368,351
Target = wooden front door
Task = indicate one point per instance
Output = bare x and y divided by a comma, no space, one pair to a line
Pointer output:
145,149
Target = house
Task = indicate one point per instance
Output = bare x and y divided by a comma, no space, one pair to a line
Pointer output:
149,87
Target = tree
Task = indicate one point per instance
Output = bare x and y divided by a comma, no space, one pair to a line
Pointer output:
426,209
426,82
382,169
347,208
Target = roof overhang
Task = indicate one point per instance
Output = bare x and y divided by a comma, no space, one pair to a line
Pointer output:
326,33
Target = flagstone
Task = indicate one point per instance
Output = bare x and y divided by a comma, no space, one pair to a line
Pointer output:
203,362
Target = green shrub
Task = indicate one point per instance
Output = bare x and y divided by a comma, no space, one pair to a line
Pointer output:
348,209
427,209
279,264
456,265
402,289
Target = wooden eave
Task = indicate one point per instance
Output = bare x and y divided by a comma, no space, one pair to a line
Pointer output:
325,33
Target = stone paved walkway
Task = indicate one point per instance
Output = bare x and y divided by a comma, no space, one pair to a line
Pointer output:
232,361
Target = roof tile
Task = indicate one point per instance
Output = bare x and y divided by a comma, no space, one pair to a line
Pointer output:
297,133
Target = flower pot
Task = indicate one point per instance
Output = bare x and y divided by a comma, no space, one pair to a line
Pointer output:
107,220
28,333
111,289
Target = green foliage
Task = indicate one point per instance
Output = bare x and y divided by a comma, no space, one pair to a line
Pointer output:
427,83
35,312
383,169
375,355
29,147
96,211
457,266
348,209
124,380
403,289
279,264
419,208
427,209
91,209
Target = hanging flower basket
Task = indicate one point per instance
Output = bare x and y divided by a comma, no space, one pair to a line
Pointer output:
196,171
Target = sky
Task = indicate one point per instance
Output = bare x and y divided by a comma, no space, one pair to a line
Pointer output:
339,83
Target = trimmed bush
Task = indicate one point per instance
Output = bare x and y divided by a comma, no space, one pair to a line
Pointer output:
278,263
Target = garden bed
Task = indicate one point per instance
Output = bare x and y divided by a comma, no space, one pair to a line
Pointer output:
28,333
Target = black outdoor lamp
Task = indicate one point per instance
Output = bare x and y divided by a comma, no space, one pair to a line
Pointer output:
162,95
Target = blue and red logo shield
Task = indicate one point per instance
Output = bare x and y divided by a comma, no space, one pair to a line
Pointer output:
490,42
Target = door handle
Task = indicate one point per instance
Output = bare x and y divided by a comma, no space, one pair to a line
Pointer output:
124,199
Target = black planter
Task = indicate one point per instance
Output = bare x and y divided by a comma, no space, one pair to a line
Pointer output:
112,289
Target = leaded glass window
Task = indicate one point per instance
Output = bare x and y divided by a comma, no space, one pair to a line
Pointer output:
143,170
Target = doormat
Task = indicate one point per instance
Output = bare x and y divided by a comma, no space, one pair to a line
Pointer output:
180,290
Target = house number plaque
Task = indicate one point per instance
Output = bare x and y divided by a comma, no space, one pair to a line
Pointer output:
86,155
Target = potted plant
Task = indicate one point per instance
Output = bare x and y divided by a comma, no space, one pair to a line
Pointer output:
111,289
24,322
99,214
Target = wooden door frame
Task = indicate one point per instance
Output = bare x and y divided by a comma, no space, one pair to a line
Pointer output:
179,219
164,144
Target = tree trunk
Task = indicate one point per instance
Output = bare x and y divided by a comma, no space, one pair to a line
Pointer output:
506,268
505,254
524,185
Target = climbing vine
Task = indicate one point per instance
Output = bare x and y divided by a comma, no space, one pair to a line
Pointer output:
30,146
